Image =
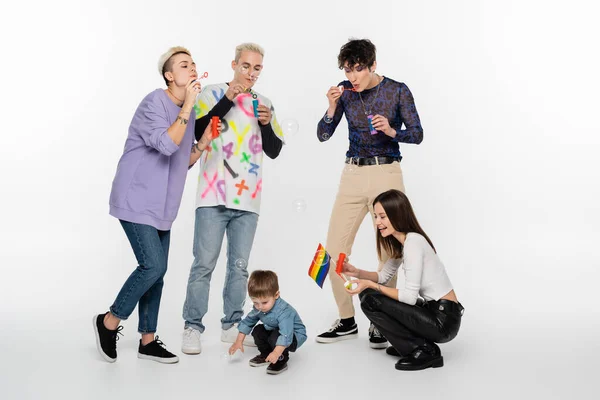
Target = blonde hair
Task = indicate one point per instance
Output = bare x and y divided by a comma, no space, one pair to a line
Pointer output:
248,47
164,62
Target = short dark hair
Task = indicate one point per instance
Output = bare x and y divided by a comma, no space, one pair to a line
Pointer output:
262,284
357,51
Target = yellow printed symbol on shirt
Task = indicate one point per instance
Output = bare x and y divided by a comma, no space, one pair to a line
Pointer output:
201,108
239,136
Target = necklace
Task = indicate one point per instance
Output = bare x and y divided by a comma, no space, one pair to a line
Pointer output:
365,109
177,98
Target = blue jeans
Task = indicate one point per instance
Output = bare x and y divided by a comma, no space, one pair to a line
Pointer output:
144,285
210,227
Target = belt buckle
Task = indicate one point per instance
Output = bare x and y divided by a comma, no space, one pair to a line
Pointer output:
352,161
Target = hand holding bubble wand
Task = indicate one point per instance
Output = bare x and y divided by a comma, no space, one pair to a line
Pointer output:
343,89
319,267
339,268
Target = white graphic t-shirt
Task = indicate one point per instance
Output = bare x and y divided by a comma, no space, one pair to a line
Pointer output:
231,166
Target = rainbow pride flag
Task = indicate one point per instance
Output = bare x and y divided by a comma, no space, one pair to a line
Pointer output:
320,266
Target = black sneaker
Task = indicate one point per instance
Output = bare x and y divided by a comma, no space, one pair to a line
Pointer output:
258,361
106,339
277,368
376,339
156,351
337,332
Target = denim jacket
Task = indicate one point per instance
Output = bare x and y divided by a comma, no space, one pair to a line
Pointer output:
283,317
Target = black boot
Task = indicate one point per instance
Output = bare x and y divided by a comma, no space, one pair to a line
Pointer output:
428,355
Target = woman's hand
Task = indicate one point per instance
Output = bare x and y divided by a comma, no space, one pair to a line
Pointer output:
207,136
191,92
361,284
350,270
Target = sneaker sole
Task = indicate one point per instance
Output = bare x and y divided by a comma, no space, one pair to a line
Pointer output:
378,346
270,372
191,352
258,365
161,360
336,339
98,346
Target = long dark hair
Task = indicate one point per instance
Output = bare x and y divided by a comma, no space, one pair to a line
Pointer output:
402,217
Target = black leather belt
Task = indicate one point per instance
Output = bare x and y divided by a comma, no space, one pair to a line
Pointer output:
372,160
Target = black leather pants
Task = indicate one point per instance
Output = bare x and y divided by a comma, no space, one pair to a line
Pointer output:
407,327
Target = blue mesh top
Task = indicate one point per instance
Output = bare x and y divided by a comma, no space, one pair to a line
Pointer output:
394,101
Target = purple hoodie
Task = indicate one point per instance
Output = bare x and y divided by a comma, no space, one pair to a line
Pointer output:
151,173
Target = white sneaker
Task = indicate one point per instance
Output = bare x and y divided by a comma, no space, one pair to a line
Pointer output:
191,341
230,335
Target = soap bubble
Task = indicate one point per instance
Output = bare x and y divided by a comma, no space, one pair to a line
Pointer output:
241,263
290,127
322,257
232,358
299,205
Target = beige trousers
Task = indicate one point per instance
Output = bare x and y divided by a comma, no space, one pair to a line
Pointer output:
359,185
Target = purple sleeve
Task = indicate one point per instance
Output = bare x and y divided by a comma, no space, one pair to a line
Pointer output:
153,125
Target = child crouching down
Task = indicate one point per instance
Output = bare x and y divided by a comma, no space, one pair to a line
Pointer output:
281,330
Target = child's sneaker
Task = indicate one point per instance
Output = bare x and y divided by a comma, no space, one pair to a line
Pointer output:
258,361
338,331
106,339
156,351
376,339
277,368
190,343
230,336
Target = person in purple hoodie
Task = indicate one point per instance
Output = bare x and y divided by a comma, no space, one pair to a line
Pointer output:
145,197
